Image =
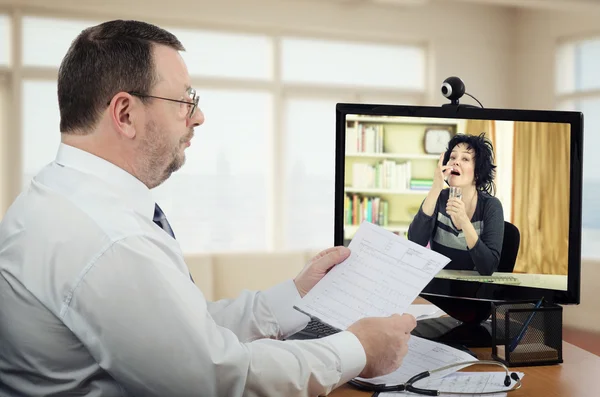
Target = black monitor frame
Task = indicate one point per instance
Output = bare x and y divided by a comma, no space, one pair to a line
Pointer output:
492,292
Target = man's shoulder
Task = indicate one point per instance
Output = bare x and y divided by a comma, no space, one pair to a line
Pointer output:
49,234
88,200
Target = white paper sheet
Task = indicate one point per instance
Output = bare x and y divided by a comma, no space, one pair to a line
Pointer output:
464,382
383,275
424,355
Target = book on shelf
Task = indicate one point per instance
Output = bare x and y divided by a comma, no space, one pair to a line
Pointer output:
421,184
386,174
364,138
358,208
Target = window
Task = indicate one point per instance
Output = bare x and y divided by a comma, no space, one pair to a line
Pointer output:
46,40
217,201
577,66
352,64
578,88
390,99
4,165
309,173
41,133
226,55
222,199
5,40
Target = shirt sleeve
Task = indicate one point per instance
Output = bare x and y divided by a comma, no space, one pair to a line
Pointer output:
421,228
486,251
268,314
148,327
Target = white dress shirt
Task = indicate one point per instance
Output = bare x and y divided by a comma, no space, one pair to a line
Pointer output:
96,300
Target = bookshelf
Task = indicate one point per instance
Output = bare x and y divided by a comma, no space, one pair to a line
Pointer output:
387,171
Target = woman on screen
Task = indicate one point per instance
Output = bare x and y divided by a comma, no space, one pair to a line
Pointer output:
468,228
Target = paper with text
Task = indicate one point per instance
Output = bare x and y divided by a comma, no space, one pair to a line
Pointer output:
383,275
464,382
424,355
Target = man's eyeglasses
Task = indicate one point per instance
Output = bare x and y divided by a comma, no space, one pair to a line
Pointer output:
186,109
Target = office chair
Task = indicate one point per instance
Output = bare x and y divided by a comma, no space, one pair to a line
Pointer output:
510,248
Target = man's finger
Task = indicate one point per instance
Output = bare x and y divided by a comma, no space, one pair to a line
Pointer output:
333,256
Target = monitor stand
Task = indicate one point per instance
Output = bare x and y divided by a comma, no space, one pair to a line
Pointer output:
468,324
451,331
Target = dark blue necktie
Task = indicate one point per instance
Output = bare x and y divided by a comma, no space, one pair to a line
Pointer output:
161,220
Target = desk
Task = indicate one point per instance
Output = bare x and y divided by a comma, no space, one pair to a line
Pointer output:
548,281
577,376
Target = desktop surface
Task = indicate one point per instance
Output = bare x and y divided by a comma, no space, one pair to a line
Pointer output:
546,281
575,377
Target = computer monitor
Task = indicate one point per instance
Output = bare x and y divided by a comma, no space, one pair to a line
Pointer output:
526,212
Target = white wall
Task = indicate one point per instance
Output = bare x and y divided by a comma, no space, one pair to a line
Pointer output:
504,161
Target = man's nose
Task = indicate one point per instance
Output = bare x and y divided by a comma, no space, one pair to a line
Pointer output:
196,119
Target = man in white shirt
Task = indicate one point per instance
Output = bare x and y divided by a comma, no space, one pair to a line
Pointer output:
95,296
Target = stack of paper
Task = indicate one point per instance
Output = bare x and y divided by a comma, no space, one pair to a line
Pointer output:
424,355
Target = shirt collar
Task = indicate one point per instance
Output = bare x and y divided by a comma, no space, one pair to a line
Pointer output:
135,193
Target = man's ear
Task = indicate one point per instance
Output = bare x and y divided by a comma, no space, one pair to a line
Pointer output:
123,108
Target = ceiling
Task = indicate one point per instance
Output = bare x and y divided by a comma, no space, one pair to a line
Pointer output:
563,5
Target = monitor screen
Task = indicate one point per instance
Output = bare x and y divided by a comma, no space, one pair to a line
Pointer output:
497,191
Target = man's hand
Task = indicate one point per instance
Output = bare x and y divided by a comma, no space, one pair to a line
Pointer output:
318,267
385,340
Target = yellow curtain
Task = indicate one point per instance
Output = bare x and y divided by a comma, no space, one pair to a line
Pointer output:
541,196
476,127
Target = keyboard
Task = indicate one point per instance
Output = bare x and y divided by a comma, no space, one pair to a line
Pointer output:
491,279
315,329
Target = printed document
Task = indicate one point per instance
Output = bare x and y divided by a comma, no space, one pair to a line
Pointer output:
464,382
383,275
424,355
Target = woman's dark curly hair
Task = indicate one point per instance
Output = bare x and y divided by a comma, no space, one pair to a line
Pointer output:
485,170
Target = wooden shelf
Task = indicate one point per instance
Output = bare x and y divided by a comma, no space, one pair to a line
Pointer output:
386,191
403,120
394,156
350,230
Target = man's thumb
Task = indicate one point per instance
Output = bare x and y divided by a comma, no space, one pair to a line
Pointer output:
336,256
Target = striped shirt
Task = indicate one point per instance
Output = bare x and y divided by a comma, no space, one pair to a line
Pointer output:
439,231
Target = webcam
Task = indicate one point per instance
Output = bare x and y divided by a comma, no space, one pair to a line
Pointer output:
453,88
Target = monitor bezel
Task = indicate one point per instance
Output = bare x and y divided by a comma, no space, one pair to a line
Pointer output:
492,292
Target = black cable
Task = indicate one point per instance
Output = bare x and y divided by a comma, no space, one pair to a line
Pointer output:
466,93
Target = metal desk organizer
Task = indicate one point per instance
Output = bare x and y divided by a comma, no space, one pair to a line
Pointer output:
527,333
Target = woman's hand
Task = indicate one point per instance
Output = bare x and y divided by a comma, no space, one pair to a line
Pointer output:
456,209
440,174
